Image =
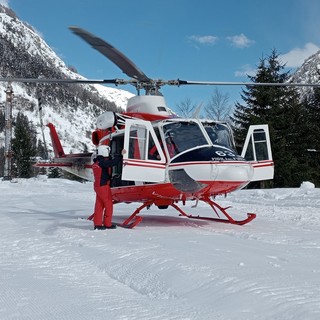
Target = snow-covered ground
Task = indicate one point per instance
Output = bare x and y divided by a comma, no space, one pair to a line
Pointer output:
53,265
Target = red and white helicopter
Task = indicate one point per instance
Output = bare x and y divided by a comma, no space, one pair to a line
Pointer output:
169,160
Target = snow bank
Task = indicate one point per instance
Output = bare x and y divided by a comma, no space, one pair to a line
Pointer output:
307,185
53,265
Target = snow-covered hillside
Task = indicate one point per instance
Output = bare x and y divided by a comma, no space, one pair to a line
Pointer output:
53,265
309,72
74,113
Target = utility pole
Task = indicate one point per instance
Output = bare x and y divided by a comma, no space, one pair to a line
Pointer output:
8,133
42,127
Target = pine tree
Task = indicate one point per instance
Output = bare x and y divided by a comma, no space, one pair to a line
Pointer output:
41,150
23,146
54,172
312,135
2,161
280,108
2,120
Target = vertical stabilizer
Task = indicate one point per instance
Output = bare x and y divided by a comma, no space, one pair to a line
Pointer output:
56,144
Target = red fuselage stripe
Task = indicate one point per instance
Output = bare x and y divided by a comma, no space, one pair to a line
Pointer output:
144,164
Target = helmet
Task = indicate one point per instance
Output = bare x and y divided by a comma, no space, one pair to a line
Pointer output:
169,134
104,151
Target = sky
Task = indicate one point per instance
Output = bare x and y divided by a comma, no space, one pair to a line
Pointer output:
203,40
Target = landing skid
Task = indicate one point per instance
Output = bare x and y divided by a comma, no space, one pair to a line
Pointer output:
134,219
216,208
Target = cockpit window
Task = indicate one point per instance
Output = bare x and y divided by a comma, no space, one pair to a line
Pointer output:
219,134
181,136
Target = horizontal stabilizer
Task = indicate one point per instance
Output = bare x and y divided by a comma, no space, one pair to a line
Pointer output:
53,164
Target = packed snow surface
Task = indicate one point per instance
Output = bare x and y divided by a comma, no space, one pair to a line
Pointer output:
53,265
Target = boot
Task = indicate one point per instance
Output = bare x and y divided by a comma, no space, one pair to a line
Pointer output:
100,227
113,226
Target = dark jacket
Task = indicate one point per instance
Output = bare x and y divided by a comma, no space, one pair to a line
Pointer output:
102,169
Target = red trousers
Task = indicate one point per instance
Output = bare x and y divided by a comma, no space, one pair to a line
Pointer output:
103,208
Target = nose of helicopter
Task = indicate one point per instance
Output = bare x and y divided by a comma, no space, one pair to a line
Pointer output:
234,171
197,169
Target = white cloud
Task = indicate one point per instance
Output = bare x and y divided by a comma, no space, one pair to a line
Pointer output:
204,39
296,56
5,3
241,41
245,70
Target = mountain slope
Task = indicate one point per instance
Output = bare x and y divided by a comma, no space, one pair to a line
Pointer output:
309,72
72,108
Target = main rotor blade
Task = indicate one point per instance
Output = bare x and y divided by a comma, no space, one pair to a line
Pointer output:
158,83
113,54
68,81
257,84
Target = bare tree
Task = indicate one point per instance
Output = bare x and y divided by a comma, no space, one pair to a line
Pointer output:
218,107
186,108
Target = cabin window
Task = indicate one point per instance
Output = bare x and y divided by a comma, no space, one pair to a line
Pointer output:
144,143
260,143
116,148
153,152
219,134
137,142
249,153
260,150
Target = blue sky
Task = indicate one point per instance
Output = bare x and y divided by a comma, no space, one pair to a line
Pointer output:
203,40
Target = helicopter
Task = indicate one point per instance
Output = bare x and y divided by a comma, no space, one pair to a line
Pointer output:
169,160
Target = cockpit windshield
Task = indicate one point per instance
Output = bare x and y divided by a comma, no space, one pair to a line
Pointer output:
183,135
220,134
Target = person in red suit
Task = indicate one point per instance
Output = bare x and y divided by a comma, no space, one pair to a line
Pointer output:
102,171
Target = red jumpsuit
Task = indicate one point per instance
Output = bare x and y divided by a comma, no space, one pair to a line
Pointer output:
102,171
